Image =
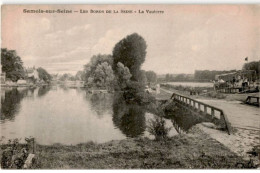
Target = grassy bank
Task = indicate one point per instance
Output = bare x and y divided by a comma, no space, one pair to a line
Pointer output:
193,150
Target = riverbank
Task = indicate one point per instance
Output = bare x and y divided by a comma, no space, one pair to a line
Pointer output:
245,135
193,150
208,94
23,85
243,142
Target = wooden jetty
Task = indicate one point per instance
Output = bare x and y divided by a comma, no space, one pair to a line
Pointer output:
200,108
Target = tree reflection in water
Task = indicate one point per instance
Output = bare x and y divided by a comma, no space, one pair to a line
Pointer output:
184,120
43,90
101,103
129,118
10,102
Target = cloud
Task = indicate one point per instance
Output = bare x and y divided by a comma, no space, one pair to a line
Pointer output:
69,32
77,29
106,43
72,61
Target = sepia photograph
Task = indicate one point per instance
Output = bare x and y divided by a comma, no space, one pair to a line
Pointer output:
130,86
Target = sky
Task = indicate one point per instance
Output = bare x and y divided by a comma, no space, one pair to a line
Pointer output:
183,39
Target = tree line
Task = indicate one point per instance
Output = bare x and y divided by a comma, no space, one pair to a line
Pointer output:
12,65
209,75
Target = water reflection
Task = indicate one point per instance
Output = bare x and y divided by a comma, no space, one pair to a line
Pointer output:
70,116
129,118
101,103
11,99
183,120
10,102
43,90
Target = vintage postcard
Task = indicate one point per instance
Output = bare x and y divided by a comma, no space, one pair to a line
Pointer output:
130,87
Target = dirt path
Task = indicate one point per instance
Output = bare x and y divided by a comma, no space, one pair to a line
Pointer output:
240,142
240,115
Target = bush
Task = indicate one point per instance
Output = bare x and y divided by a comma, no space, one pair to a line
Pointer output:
157,127
15,154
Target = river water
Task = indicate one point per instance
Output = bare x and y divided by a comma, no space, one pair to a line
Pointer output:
192,84
70,116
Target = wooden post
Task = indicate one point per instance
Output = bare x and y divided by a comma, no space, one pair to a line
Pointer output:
199,106
212,113
205,109
226,122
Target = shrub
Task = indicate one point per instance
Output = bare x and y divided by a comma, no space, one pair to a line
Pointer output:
15,154
157,127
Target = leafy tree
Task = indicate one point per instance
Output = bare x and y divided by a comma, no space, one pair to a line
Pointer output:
104,75
142,77
98,72
44,75
95,60
66,76
131,52
254,65
123,75
12,65
90,81
151,76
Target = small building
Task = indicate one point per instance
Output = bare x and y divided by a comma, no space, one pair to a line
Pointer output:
21,82
235,82
32,75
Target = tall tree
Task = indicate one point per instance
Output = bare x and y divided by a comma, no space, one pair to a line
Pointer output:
131,52
12,65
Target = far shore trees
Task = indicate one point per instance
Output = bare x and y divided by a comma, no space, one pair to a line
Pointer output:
67,77
80,75
12,65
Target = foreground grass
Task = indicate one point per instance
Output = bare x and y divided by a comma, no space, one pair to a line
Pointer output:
195,150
